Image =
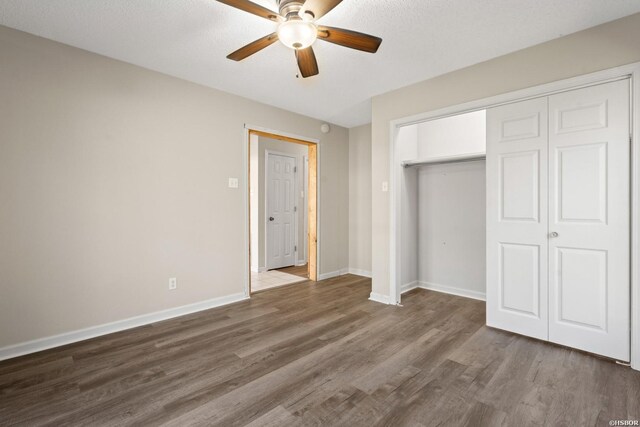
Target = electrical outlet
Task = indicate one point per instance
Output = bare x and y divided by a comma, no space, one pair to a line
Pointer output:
233,182
173,283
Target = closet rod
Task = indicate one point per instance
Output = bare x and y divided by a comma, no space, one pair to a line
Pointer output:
449,159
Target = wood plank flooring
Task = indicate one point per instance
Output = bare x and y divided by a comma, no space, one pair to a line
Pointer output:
318,354
297,270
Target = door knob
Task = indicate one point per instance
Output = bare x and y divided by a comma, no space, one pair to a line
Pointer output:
271,218
553,234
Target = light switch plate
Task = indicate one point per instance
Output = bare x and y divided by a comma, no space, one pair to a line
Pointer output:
385,186
233,182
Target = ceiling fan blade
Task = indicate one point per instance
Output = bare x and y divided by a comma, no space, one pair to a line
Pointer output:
307,62
253,47
253,8
319,7
348,38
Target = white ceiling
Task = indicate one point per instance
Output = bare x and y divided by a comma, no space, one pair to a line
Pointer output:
190,39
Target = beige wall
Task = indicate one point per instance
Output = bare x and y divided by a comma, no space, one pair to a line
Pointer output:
606,46
360,199
113,178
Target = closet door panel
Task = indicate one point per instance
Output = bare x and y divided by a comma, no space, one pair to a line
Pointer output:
589,224
517,218
519,190
520,279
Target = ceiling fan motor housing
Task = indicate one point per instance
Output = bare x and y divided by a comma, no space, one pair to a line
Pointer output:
290,8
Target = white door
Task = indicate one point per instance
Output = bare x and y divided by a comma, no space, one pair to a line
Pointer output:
517,218
305,203
280,211
589,153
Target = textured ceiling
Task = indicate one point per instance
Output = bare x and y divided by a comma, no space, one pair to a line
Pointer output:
191,38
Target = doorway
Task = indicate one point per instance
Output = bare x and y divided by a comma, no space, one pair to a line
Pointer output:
282,210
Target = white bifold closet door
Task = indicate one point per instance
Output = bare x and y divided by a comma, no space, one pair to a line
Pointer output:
589,220
517,194
558,223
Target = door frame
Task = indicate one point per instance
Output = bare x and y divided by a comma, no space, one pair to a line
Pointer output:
313,198
268,153
305,178
631,72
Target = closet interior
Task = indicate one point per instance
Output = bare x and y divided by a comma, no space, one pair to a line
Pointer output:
442,212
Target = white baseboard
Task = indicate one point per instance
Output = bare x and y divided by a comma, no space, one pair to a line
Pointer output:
409,286
383,299
452,290
300,263
332,274
108,328
259,270
358,272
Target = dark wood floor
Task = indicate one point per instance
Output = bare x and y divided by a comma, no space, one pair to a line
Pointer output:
297,270
319,354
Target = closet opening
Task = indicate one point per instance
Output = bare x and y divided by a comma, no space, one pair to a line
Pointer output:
562,198
442,205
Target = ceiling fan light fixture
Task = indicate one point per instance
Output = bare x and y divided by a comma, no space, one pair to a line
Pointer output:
297,34
297,30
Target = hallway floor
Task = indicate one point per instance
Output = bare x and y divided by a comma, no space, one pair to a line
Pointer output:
272,279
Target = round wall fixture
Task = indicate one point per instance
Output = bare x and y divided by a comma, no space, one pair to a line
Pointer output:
325,128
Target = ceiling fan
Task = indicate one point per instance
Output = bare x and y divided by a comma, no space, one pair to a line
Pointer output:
297,30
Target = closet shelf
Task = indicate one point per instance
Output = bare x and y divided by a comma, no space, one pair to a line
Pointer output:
448,159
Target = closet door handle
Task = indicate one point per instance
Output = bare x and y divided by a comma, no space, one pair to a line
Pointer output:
553,234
